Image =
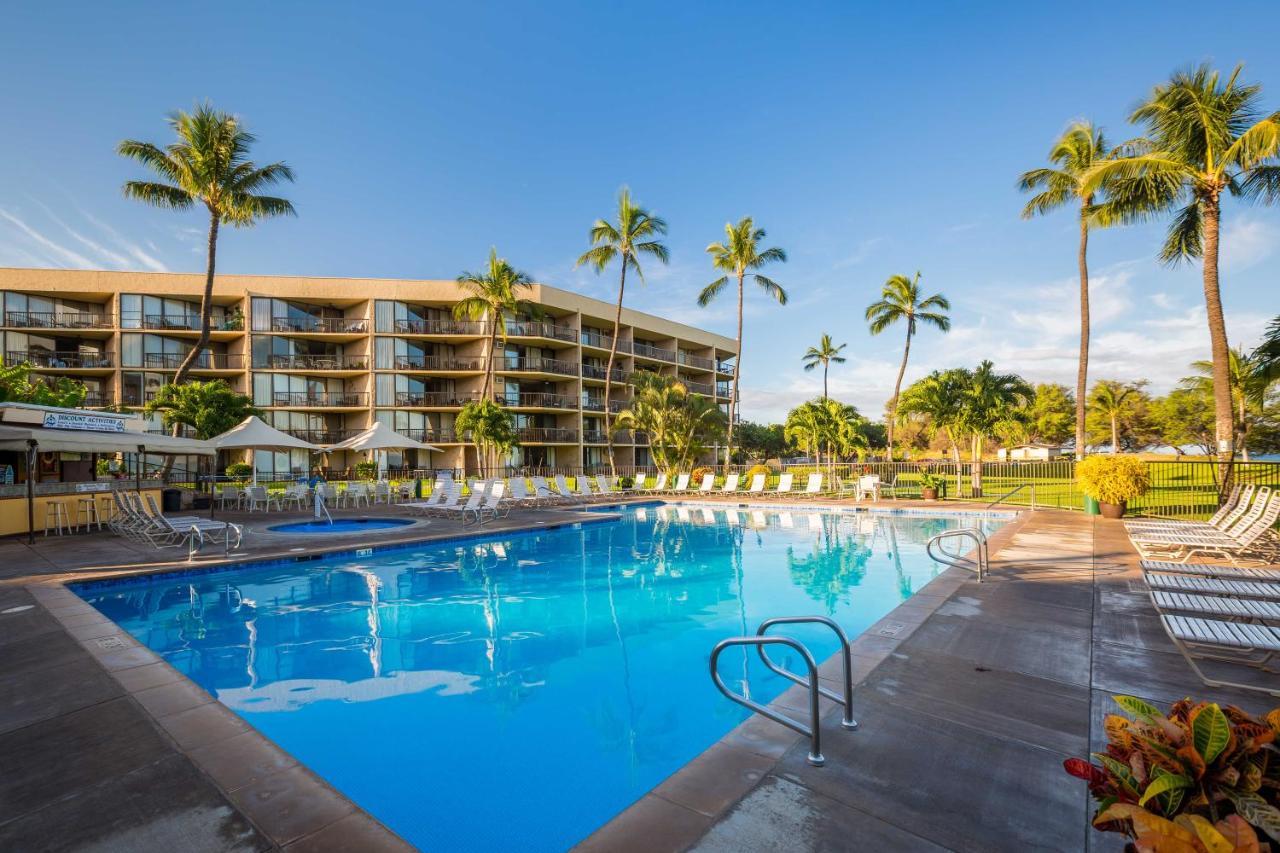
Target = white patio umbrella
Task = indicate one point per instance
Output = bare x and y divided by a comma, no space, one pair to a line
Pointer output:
253,433
381,437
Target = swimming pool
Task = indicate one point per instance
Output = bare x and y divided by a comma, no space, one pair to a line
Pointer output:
515,691
341,525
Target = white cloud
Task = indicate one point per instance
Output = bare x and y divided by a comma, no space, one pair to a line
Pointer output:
1246,242
64,256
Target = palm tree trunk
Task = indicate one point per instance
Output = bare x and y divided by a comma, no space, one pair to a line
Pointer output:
897,388
206,304
608,370
737,369
824,381
1222,405
1082,374
975,477
1115,434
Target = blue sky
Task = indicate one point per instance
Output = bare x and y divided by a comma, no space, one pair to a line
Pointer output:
869,139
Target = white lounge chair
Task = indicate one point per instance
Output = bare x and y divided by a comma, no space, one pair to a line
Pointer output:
471,506
659,485
1248,609
584,488
1235,642
707,485
637,484
1252,534
562,486
602,485
1211,586
784,484
1236,505
681,486
1271,573
757,485
730,485
813,486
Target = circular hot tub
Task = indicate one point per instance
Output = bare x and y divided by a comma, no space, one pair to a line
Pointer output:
341,526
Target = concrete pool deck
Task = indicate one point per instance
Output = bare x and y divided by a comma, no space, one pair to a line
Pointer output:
969,696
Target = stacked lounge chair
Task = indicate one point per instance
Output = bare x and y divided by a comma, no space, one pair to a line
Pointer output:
1247,537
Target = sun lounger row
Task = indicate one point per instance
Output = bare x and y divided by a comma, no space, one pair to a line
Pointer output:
152,527
1241,531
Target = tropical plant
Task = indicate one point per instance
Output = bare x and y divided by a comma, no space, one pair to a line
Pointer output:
1185,416
756,471
366,470
700,472
1268,352
1117,407
1050,415
1200,778
826,425
680,425
1079,148
17,386
737,257
938,400
635,233
1250,381
1113,479
208,408
493,293
207,165
491,428
760,441
1204,137
930,480
987,398
900,300
240,471
825,353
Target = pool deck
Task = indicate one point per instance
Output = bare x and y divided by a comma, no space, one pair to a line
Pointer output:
969,697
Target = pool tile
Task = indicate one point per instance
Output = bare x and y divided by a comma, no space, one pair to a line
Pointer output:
202,725
171,698
650,825
291,804
242,760
715,780
355,833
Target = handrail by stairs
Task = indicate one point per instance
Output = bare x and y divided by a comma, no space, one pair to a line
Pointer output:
847,721
983,565
1014,491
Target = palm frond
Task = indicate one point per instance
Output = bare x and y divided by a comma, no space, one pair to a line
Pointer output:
598,257
772,289
653,247
1185,239
1262,184
153,158
159,195
712,290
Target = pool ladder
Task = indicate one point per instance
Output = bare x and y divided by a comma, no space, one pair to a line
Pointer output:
982,565
761,642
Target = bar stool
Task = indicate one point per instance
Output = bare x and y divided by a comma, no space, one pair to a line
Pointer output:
55,515
87,509
106,509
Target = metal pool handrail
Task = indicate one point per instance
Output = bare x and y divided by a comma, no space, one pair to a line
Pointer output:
1014,491
847,721
811,731
977,536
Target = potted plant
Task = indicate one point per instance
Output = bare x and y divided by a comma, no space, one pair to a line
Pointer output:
930,483
239,471
1113,481
366,470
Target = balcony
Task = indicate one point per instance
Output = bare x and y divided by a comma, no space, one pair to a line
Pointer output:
60,360
440,363
640,438
136,398
95,401
594,437
441,327
540,329
538,400
547,435
697,361
321,399
316,362
321,325
653,352
432,436
434,399
724,367
590,405
535,364
172,322
57,320
322,436
599,341
591,371
204,361
702,388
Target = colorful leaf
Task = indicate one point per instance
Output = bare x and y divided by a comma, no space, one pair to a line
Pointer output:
1210,732
1273,719
1157,832
1120,771
1238,832
1162,783
1192,761
1257,811
1209,836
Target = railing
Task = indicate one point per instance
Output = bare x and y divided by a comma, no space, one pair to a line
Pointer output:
697,361
57,320
307,399
315,362
135,399
442,327
538,364
1015,490
438,363
71,360
434,399
204,361
595,437
172,322
724,367
92,401
322,436
653,352
538,400
552,435
590,405
599,341
699,388
981,565
432,436
323,325
591,371
540,329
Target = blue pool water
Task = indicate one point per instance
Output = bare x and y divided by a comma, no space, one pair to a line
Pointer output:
514,692
341,525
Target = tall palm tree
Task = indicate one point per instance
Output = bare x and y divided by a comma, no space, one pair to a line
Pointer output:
208,164
824,353
1114,403
633,234
495,294
1076,152
1250,382
938,399
737,257
1205,136
900,300
988,399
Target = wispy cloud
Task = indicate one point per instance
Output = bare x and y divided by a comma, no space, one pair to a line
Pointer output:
64,255
147,259
94,244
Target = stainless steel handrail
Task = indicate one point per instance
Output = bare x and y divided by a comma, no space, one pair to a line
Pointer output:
811,731
980,540
847,721
1014,491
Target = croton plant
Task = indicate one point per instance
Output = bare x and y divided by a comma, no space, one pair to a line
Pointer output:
1200,779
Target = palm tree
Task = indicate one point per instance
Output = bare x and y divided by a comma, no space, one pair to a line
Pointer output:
493,293
824,353
208,164
900,300
1205,136
492,430
1250,382
1114,403
988,398
632,235
678,423
938,399
1076,152
208,408
737,257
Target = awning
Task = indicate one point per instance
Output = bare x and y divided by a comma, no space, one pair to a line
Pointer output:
254,434
381,437
89,441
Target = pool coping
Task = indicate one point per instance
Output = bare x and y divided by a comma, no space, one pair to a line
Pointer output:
197,723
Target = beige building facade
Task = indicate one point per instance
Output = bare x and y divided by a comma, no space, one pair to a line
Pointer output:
325,358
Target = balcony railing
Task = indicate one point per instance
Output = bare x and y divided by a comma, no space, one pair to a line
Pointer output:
590,371
702,388
59,360
595,339
172,322
538,399
724,367
57,320
438,363
204,361
322,436
653,352
641,438
431,436
320,399
547,435
697,361
590,405
434,399
441,327
315,362
540,329
594,437
535,364
137,398
324,325
93,401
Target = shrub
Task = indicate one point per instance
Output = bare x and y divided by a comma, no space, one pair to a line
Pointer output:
756,469
366,470
239,470
698,473
626,481
1199,778
1113,479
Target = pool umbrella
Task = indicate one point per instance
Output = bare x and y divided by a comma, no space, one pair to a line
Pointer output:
254,434
381,437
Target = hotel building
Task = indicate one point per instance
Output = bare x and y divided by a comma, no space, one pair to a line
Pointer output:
326,357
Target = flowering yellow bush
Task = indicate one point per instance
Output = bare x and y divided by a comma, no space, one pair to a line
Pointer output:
1113,479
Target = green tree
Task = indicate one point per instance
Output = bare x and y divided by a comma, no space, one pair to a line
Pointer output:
679,424
494,294
1051,415
1204,137
938,399
1116,412
208,164
635,233
987,399
492,429
1250,383
1074,153
17,386
1268,352
208,408
826,425
1185,416
900,300
825,353
761,441
737,257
